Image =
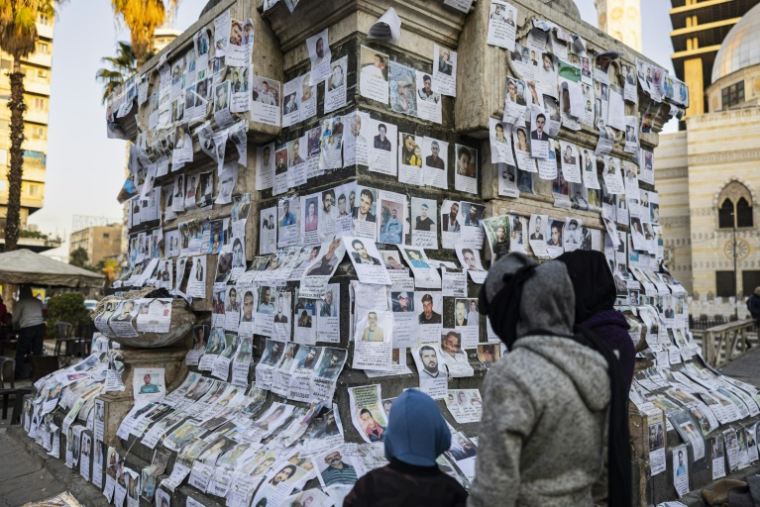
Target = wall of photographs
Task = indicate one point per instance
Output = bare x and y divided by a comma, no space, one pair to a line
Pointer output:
331,229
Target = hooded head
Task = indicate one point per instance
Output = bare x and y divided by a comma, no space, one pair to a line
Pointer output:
522,298
592,282
417,433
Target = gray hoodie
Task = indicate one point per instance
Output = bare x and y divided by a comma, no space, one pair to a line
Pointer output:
544,408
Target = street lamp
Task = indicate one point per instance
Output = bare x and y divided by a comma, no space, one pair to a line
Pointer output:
736,271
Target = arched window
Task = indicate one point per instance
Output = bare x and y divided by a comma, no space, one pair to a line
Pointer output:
735,206
726,215
743,213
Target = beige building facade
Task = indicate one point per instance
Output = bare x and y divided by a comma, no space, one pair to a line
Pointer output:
100,242
621,19
709,177
37,69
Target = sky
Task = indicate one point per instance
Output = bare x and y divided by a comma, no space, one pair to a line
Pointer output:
85,169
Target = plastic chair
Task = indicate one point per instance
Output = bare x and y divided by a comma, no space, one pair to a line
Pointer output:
62,332
84,338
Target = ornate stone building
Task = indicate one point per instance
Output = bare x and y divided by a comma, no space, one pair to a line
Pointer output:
709,179
621,19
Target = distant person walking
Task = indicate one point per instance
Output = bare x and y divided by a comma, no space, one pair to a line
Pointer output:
753,304
27,318
548,404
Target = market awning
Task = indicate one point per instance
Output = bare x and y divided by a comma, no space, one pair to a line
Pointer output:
26,267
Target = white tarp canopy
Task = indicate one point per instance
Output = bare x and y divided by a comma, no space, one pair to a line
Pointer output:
26,267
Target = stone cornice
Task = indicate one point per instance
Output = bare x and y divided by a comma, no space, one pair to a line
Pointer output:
723,157
669,174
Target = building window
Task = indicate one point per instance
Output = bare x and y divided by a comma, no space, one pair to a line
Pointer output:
6,64
39,133
725,284
43,48
733,95
750,280
42,74
743,213
34,190
40,104
735,208
43,20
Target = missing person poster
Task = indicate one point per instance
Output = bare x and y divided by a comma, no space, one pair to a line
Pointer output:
367,413
502,21
425,275
424,226
382,152
321,269
320,55
328,315
149,385
537,235
373,340
433,377
466,177
681,470
465,405
335,85
265,100
366,260
436,157
444,71
373,80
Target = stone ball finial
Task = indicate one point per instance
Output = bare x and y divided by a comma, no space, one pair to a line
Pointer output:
568,6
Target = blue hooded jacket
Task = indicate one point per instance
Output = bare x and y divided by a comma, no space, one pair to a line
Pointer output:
417,433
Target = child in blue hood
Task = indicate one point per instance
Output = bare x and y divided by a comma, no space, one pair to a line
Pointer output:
415,437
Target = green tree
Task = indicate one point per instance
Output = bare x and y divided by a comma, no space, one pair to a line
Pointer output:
18,38
79,258
69,308
120,68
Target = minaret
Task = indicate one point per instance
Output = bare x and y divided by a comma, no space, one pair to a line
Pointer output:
621,19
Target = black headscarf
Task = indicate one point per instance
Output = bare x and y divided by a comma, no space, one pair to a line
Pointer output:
500,299
592,282
504,308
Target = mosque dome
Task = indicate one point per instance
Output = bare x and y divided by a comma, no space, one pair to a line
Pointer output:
741,47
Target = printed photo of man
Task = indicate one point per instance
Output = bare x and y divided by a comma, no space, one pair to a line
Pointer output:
434,159
423,221
363,212
372,333
428,316
429,360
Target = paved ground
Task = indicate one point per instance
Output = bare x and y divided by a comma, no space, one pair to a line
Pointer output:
22,477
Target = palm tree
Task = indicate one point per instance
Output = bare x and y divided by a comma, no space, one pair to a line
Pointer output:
142,17
111,269
18,38
121,67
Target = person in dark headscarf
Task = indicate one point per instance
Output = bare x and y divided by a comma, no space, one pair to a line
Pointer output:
595,296
548,404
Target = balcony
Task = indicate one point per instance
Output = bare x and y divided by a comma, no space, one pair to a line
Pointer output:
35,145
36,116
34,174
45,31
43,60
38,87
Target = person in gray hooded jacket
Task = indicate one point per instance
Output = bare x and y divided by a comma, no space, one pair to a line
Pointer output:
545,403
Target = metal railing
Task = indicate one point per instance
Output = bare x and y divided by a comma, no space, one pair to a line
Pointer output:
723,343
